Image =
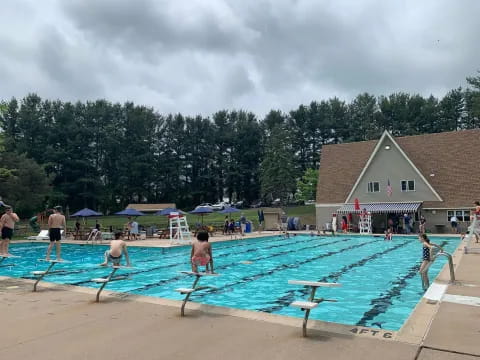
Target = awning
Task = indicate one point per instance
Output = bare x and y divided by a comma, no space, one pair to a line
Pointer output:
381,208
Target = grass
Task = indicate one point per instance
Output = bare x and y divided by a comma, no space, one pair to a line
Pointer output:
306,214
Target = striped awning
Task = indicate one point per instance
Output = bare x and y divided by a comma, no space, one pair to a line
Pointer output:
379,208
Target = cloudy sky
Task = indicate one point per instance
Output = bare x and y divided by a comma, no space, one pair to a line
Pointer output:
200,56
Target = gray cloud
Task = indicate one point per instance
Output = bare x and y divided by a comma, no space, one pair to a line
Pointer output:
202,56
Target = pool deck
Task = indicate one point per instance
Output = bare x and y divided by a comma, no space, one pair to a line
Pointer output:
62,321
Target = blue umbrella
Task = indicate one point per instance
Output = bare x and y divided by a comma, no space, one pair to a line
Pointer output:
201,210
229,210
167,211
130,212
86,212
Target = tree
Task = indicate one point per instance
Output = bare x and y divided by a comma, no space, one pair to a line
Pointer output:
25,185
307,185
472,102
278,178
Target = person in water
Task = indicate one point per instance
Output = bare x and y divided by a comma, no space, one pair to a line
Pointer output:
201,254
427,257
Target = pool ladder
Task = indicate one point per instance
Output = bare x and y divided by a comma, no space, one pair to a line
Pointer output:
450,265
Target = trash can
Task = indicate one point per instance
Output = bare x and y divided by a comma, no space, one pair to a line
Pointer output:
248,227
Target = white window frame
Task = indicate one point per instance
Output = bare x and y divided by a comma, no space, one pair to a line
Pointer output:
406,188
371,186
462,215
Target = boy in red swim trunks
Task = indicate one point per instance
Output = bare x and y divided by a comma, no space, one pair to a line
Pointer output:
201,254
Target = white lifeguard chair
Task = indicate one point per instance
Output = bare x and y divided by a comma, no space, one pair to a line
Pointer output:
365,223
179,230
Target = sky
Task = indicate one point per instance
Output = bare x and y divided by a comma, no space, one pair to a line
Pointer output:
201,56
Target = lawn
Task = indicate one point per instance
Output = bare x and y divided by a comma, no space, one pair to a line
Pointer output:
306,213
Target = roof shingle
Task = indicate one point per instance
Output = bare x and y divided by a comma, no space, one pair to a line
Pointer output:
453,158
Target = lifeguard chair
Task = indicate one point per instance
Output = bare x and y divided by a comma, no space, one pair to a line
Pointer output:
179,230
365,223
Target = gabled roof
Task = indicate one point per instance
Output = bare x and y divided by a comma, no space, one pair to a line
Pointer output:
452,157
150,207
386,136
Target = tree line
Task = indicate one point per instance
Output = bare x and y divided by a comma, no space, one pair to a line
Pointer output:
105,155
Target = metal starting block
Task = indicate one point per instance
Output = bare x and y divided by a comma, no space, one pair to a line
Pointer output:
109,278
312,302
194,288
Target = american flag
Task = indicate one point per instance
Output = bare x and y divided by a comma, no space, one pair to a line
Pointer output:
389,188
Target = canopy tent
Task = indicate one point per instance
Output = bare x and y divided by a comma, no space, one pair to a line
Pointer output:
381,208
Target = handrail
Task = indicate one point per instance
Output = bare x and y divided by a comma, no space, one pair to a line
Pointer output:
450,264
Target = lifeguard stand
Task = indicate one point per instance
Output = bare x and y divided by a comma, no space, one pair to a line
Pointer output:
179,231
365,223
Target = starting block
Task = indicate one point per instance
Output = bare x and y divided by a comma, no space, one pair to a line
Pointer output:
3,257
189,291
312,302
41,274
109,278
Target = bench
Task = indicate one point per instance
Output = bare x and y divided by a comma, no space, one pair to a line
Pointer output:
312,302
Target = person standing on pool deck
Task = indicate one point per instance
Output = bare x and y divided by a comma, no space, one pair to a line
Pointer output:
134,230
243,224
427,253
7,223
56,222
421,227
201,254
454,224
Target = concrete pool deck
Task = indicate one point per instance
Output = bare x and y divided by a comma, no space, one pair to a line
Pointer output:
64,322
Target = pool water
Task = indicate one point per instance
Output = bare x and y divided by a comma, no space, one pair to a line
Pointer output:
380,280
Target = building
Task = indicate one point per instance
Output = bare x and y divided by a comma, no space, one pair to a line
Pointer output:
436,175
151,208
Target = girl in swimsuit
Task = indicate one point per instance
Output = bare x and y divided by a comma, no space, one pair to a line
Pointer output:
426,257
201,254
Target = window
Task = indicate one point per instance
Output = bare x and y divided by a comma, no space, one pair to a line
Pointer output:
462,215
408,185
373,186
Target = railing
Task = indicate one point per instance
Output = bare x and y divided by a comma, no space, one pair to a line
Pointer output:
450,264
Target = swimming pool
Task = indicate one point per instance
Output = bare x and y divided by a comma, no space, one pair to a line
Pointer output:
380,281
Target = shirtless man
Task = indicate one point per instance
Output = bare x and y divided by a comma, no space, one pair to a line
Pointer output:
7,224
56,222
201,254
118,247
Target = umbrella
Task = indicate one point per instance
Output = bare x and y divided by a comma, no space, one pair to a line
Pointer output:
201,210
356,204
130,212
229,210
86,212
167,211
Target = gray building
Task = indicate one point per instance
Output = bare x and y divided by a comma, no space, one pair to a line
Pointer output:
434,175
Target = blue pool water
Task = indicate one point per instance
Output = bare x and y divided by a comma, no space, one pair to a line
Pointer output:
380,281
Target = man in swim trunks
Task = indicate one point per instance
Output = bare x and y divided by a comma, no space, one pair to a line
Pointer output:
201,254
56,222
7,223
118,247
